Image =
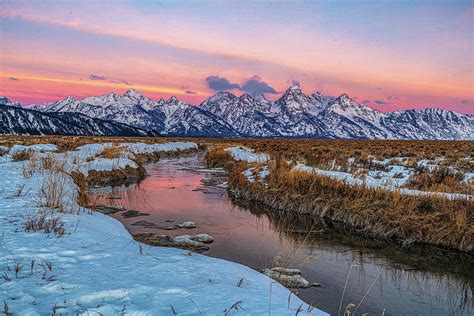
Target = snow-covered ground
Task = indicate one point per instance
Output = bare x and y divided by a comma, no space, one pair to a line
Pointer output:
97,267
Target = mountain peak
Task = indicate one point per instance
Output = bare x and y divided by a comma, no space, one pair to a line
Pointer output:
247,96
222,95
5,101
133,94
70,99
295,86
343,97
173,99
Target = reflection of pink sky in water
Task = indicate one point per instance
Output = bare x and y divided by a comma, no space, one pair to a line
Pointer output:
169,193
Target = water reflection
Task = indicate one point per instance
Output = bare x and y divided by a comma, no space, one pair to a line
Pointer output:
413,281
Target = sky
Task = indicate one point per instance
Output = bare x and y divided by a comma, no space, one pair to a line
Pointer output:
388,55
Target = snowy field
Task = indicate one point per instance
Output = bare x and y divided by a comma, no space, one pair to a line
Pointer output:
393,179
97,268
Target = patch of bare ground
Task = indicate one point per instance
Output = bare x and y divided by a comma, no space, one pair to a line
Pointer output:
370,211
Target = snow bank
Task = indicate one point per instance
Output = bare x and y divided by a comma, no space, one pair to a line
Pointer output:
35,148
107,164
97,267
247,154
142,148
85,156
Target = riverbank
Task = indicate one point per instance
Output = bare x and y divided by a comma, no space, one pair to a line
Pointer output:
59,257
380,210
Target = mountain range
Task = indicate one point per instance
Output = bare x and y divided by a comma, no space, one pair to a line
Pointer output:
18,120
294,114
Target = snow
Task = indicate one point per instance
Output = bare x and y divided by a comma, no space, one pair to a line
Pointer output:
108,164
97,267
250,173
247,154
35,148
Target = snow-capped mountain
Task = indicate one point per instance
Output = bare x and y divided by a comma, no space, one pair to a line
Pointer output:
169,117
294,114
20,121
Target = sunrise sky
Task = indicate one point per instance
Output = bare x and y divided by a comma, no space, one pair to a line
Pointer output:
386,54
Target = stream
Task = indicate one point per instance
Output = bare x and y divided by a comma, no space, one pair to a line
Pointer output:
381,277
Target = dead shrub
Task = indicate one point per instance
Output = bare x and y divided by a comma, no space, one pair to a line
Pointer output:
22,155
65,144
80,180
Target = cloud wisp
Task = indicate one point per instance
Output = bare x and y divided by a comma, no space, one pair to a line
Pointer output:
97,77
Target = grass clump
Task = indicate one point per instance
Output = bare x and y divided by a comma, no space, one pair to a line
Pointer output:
218,157
47,224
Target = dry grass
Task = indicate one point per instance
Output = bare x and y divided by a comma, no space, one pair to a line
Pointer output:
441,179
53,191
375,212
220,158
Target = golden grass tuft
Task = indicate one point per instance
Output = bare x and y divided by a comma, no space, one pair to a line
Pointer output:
111,152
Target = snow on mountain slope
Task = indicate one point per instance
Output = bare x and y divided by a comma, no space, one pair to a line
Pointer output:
431,123
19,121
294,114
249,116
344,118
